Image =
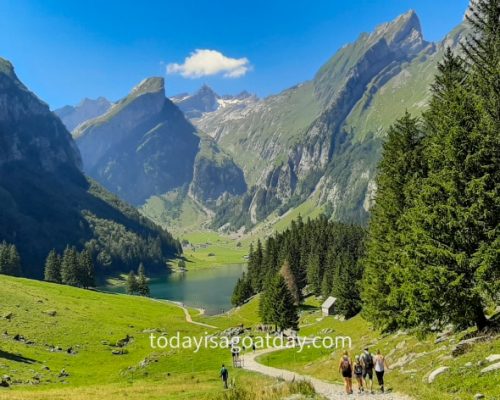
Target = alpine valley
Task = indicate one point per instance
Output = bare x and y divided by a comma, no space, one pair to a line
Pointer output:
233,162
227,163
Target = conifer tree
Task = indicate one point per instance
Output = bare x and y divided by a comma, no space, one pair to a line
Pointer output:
288,275
455,207
69,267
314,273
282,310
53,267
11,261
86,270
4,257
132,284
345,286
142,281
242,291
401,164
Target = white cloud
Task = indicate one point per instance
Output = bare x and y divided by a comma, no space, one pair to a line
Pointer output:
204,62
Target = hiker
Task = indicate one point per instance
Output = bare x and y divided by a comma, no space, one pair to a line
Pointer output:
234,355
358,373
367,363
224,374
380,366
253,347
345,368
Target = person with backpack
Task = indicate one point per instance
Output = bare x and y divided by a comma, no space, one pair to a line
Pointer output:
380,366
224,374
345,368
367,363
358,373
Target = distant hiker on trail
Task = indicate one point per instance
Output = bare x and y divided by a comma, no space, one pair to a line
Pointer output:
345,368
224,374
253,347
367,363
358,373
380,365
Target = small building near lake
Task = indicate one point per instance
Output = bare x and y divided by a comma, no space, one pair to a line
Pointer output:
328,306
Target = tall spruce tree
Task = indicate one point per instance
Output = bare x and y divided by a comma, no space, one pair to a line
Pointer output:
52,271
277,305
142,281
86,270
345,286
483,48
314,272
132,284
69,267
291,283
401,164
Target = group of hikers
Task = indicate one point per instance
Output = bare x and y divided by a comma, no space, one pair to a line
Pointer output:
362,369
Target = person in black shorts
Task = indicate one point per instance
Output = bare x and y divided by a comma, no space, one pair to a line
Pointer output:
345,368
368,364
358,374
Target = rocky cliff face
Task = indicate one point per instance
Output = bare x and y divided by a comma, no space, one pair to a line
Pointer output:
323,137
144,146
72,116
194,106
47,202
215,175
141,147
21,115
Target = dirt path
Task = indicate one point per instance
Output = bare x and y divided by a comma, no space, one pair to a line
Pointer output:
331,391
189,319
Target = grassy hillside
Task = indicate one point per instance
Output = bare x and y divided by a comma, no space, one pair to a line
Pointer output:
77,330
412,359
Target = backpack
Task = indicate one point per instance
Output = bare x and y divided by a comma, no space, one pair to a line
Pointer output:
346,365
358,369
367,357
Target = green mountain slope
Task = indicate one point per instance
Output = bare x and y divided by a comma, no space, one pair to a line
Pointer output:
322,139
46,201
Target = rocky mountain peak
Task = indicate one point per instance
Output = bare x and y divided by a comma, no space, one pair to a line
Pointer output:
204,100
149,85
404,33
6,68
206,90
29,132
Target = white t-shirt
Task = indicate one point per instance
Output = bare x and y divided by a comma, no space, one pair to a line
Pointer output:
379,363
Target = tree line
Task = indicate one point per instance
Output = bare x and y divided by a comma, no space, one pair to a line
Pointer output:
318,257
71,268
433,248
10,261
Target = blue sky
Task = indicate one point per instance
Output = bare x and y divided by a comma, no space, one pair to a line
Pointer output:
67,50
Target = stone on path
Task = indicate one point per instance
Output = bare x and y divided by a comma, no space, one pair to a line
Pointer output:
478,396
